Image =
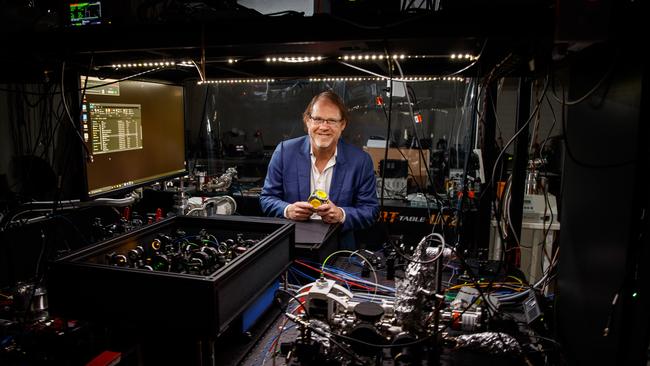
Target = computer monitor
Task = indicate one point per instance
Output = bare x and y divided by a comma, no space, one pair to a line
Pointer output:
85,13
134,132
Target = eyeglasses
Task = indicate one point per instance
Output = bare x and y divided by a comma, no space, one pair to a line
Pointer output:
330,121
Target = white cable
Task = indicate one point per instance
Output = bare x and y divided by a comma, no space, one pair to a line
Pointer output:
357,295
199,70
534,135
68,205
463,111
402,76
508,199
124,78
217,201
479,102
505,147
387,78
374,273
446,75
441,240
126,201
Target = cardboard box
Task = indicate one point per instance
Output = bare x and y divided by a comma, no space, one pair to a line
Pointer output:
417,166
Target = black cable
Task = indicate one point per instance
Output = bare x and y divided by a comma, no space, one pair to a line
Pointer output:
512,139
37,276
574,158
66,162
550,131
81,102
476,281
438,199
388,133
465,179
605,77
42,121
71,119
295,298
321,332
561,359
348,351
126,78
205,106
547,207
286,13
496,204
400,152
413,343
415,132
410,259
49,144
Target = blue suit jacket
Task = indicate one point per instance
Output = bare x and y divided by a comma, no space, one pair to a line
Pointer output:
353,185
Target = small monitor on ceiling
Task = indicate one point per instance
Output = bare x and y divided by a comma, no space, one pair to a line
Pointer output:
86,13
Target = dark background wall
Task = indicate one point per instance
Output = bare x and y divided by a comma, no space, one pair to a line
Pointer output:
603,226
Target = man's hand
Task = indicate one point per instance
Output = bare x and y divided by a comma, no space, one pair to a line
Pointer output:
330,213
299,211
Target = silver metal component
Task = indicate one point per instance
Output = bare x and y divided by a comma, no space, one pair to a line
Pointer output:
413,293
394,188
32,298
221,183
180,199
433,251
489,342
534,184
467,296
467,320
207,207
323,290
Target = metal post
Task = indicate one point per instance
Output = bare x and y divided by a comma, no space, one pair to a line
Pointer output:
488,152
519,164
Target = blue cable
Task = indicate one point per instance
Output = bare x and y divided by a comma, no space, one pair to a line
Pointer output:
312,278
299,272
268,344
293,275
353,277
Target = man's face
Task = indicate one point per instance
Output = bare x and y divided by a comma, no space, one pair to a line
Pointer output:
325,125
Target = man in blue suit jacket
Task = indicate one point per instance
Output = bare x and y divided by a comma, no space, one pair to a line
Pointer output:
322,161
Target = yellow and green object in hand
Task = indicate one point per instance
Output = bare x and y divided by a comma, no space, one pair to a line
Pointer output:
317,198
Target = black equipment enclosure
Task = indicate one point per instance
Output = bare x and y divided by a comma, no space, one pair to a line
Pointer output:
82,287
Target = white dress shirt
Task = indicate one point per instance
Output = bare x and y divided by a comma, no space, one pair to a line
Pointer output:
321,180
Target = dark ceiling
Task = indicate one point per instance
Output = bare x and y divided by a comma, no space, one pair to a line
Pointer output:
516,30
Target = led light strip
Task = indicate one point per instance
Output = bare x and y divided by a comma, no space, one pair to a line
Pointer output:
462,57
300,59
329,79
126,65
344,79
412,78
236,81
375,57
372,57
294,59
